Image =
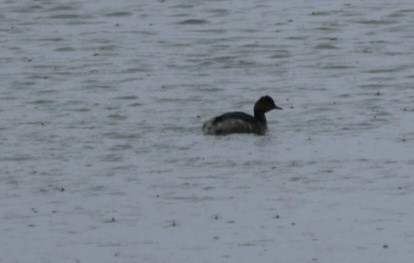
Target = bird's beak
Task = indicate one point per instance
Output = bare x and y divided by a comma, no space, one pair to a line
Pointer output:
278,108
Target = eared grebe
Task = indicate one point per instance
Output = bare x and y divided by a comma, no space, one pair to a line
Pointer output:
240,122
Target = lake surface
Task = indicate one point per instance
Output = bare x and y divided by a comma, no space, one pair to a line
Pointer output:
102,155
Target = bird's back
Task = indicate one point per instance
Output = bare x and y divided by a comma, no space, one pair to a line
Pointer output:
233,122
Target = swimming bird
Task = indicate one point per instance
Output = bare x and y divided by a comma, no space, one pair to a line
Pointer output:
240,122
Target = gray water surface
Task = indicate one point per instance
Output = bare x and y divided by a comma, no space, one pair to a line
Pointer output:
102,156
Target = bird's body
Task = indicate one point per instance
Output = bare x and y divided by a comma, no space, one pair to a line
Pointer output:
240,122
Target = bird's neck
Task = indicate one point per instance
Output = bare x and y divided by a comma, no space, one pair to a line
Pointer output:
260,116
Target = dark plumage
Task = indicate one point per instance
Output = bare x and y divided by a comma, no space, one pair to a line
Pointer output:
240,122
